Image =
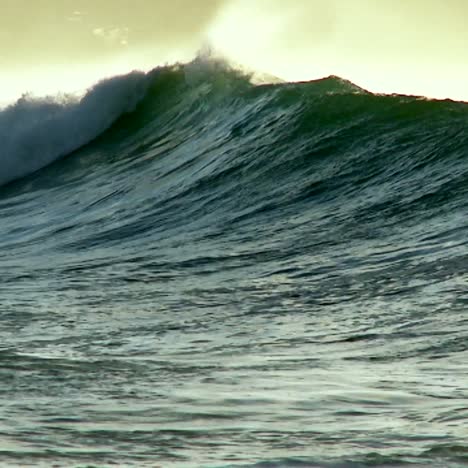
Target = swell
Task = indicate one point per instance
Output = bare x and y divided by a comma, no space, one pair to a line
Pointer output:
202,135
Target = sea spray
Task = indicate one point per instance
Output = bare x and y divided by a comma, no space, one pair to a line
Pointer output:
37,131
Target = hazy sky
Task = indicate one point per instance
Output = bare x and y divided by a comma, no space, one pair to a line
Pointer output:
409,46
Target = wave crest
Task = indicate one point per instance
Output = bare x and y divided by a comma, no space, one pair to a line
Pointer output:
37,131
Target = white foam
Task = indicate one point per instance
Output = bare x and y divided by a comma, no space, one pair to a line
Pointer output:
34,132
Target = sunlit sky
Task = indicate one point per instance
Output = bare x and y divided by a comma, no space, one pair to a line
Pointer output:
404,46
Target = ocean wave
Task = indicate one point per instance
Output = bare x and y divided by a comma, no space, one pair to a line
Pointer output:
37,131
215,264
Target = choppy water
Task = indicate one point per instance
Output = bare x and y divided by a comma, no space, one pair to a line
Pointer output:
233,275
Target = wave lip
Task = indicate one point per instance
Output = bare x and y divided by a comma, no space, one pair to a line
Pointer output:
37,131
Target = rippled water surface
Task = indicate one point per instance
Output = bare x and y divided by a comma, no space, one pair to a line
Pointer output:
239,276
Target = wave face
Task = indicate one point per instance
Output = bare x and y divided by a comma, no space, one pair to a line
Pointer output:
213,272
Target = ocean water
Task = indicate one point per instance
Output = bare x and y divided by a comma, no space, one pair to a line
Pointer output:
201,272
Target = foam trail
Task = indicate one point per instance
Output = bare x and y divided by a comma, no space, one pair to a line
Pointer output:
36,131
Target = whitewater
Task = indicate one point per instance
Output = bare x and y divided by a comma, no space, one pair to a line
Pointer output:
202,272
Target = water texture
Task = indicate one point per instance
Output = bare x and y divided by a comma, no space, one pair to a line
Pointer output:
209,273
